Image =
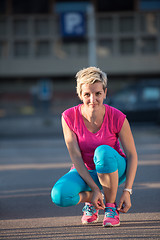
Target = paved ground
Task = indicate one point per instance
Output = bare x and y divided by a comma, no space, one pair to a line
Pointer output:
29,168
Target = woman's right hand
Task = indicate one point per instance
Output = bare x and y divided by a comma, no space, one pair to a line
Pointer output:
97,200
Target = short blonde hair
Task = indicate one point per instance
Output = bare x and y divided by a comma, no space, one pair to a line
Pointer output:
90,75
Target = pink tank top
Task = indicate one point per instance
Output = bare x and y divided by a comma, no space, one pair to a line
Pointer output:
88,141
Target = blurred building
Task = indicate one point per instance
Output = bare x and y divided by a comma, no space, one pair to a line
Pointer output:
53,39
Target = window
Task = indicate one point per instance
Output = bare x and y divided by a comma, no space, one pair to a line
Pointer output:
149,45
105,25
20,27
62,49
3,27
149,23
105,47
82,49
126,24
125,100
3,49
127,46
126,97
42,48
21,49
151,94
67,48
42,27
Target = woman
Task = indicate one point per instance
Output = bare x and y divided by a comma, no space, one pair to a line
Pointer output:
91,131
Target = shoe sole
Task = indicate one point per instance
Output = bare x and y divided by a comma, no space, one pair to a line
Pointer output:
111,225
85,222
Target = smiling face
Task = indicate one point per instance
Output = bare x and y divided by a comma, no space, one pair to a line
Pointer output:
93,95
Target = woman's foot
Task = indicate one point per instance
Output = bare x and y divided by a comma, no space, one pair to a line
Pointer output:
90,214
111,217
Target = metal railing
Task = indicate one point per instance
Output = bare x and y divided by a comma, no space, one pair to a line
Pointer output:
39,36
117,34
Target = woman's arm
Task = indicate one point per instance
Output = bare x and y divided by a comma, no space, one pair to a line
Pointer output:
75,155
128,145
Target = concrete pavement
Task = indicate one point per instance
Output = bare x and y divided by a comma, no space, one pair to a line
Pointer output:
133,226
30,126
30,167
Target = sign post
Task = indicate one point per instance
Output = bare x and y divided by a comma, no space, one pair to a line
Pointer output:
92,55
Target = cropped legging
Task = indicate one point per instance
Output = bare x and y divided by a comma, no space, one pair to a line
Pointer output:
107,160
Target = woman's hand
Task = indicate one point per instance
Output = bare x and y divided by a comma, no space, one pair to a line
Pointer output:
125,202
97,200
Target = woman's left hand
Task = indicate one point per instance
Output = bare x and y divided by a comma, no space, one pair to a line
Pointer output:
125,202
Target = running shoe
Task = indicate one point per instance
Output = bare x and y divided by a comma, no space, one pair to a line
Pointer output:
90,214
111,217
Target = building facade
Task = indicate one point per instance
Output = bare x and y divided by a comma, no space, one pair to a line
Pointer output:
125,41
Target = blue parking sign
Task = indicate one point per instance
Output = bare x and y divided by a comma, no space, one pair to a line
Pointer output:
72,24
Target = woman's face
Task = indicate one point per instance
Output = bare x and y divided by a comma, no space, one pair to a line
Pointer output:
93,95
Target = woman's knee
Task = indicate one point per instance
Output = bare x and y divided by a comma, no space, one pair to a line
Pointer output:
64,196
66,191
105,160
57,195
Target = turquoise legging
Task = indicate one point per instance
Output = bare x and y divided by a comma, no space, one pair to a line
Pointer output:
107,160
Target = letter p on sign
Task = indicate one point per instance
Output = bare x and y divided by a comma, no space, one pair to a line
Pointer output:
73,24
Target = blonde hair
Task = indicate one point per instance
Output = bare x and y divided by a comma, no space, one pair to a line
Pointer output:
90,75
